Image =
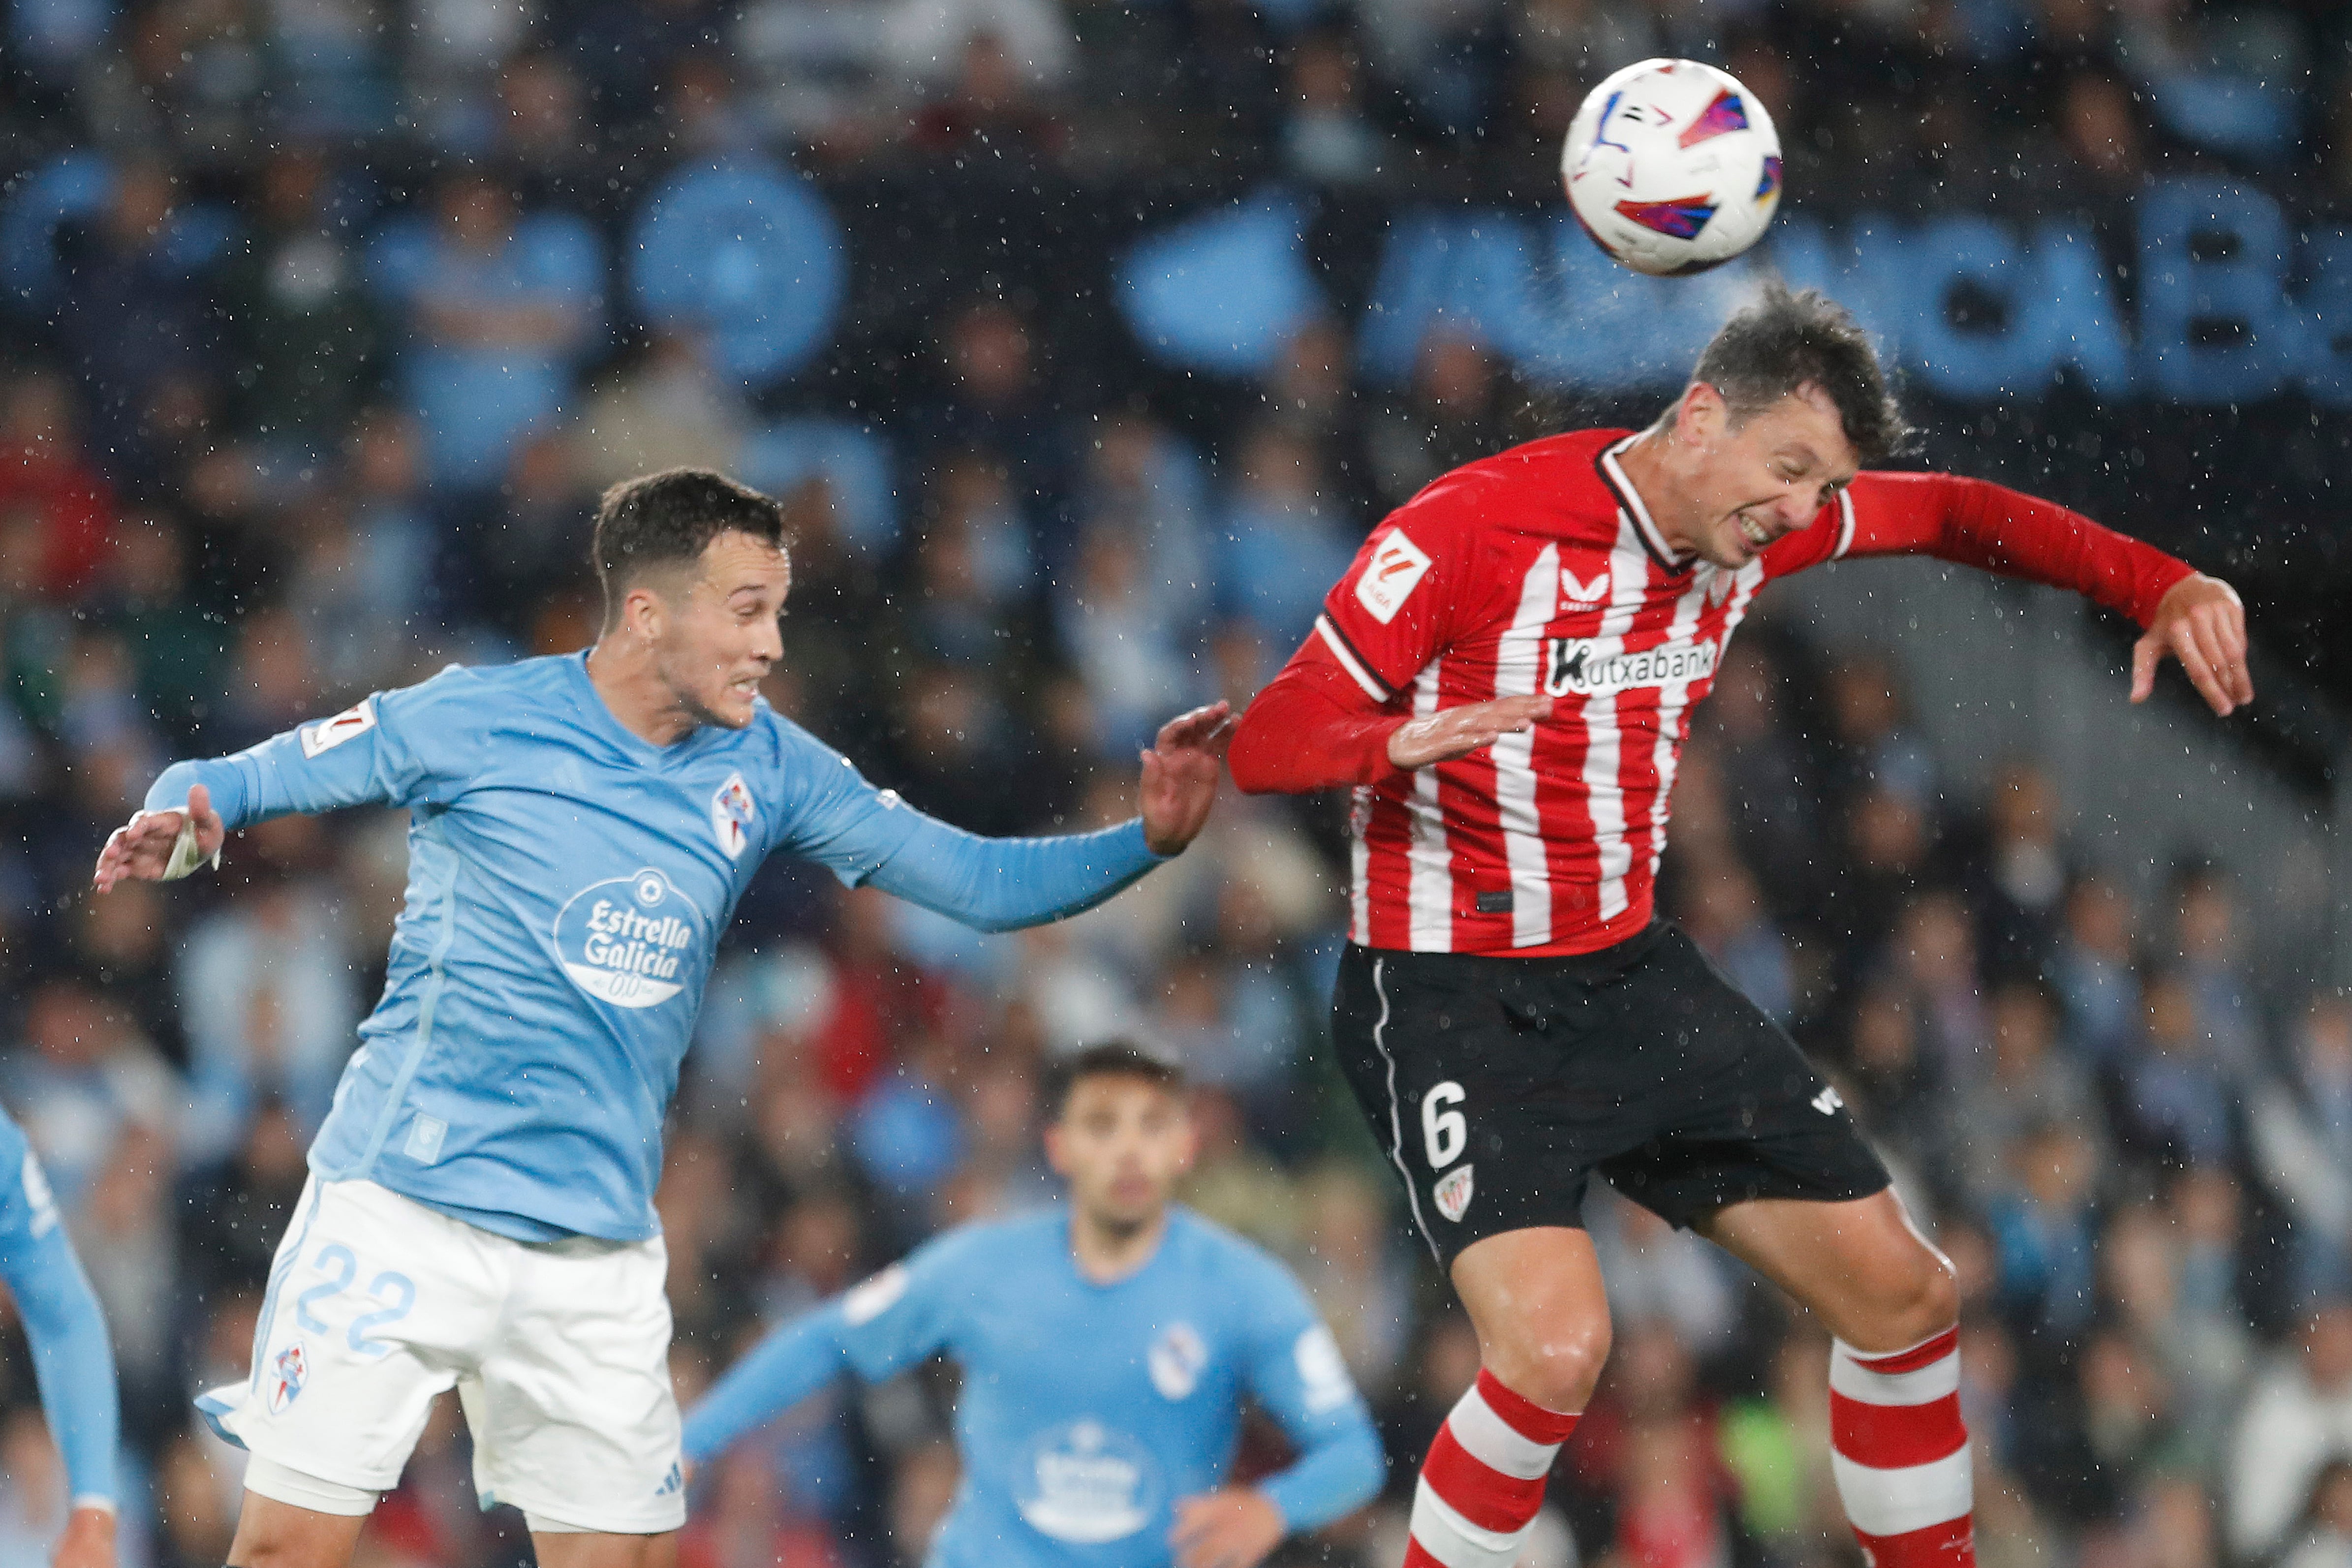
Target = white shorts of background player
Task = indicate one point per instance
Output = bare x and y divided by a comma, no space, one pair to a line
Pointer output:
558,1352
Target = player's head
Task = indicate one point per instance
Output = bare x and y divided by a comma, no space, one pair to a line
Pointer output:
1122,1135
694,569
1787,403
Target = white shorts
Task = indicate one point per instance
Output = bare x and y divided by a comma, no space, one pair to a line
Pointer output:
558,1352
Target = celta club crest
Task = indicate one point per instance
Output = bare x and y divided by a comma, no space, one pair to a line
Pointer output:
732,816
289,1371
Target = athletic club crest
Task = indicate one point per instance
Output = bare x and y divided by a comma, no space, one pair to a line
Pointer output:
1454,1193
731,815
288,1374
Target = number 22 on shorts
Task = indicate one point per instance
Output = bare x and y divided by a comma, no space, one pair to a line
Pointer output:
393,1295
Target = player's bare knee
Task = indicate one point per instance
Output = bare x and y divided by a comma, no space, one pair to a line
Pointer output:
1555,1365
1918,1299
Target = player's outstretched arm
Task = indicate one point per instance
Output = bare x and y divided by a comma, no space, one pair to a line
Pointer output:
2197,619
394,748
73,1365
2201,621
793,1363
1005,885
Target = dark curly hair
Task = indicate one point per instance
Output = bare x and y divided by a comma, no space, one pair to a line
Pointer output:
1787,341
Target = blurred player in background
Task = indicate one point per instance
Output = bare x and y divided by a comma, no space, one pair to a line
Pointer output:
1106,1347
1505,676
480,1206
72,1362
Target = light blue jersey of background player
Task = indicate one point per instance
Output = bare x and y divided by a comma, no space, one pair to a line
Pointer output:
72,1362
1107,1350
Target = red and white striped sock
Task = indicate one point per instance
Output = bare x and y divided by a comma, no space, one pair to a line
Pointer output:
1900,1453
1484,1479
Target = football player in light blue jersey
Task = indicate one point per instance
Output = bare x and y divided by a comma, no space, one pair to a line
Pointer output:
480,1206
72,1362
1107,1346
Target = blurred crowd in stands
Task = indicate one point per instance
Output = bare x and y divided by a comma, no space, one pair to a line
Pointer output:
277,428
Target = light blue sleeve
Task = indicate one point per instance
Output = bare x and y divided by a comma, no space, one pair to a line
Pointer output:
403,748
894,1319
864,834
72,1362
1297,1372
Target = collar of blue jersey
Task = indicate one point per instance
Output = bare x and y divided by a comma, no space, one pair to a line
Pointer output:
1612,474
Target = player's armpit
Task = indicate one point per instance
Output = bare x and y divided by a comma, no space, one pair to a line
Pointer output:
1976,522
1313,728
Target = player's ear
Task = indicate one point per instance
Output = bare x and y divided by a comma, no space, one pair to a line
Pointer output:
1187,1137
1055,1155
642,612
1702,416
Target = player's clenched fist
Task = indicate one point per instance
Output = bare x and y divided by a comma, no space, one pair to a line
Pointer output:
148,847
1459,731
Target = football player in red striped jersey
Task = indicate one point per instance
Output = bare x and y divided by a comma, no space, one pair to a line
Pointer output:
1505,676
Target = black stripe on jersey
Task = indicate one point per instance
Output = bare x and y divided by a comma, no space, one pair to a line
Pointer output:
1655,542
1371,671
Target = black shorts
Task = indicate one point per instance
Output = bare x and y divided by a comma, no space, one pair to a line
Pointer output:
1496,1086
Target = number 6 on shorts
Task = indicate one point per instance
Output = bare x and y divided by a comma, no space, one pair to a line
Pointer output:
1445,1132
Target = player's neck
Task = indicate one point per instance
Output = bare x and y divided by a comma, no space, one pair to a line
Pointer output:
624,674
1108,1252
1650,468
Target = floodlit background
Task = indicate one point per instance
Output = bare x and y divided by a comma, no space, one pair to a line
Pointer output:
1084,341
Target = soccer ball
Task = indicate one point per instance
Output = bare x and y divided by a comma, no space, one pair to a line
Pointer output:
1672,166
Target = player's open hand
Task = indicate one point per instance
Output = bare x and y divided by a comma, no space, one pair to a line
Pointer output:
1180,776
2201,621
142,848
1459,731
88,1541
1234,1528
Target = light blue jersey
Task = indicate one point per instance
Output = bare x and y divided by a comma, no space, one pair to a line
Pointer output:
1088,1410
568,882
72,1362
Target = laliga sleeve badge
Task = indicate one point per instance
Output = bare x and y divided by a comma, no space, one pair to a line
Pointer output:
1452,1193
329,733
1395,570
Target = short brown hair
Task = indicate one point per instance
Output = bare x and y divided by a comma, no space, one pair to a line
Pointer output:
667,519
1785,341
1113,1059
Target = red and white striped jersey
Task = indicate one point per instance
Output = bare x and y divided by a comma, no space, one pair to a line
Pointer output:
1539,571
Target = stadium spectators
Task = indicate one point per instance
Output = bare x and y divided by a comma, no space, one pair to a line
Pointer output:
333,334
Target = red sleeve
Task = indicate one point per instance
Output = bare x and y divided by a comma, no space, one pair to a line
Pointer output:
1324,720
1980,524
1313,728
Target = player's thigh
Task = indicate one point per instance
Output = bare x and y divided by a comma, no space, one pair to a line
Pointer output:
571,1411
375,1305
1861,1265
1477,1089
274,1534
602,1549
1736,1113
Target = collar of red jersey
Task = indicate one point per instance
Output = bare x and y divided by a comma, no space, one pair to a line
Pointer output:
1612,474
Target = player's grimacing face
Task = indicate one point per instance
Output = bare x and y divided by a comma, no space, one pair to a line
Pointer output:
1765,477
1122,1143
718,636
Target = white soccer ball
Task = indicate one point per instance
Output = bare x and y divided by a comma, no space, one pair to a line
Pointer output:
1672,166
